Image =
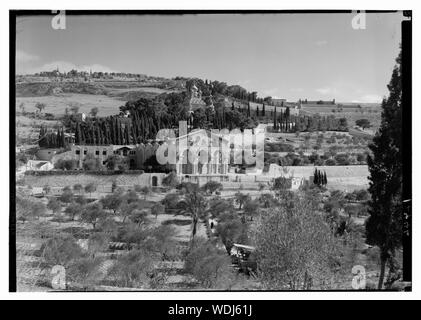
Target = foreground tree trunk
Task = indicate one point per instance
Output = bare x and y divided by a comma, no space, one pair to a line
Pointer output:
383,261
194,230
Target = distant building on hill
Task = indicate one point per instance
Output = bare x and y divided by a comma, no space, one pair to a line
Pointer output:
278,102
137,155
196,101
316,103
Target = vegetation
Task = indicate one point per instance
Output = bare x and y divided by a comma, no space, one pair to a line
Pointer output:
385,224
294,248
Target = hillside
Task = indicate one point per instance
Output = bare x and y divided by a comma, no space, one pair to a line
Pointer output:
38,89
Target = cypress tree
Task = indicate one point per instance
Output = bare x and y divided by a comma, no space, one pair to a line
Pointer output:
263,110
275,126
384,227
316,177
63,137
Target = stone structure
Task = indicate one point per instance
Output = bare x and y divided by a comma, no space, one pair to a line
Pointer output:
212,155
137,155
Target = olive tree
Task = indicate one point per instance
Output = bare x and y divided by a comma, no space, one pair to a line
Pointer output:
294,248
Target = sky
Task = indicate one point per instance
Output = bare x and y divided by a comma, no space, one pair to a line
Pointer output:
292,56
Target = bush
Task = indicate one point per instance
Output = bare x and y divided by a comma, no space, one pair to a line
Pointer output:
362,195
361,157
91,163
132,269
61,250
278,147
342,159
65,164
28,209
170,180
330,162
294,248
211,187
209,266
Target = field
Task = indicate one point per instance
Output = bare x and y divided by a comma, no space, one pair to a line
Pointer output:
372,114
29,263
57,104
108,100
108,96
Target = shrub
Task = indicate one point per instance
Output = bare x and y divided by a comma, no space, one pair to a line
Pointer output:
54,205
91,163
158,209
65,164
294,248
209,266
330,162
93,214
61,250
132,269
170,180
342,159
211,187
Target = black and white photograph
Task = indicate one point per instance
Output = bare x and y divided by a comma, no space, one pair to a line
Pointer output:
216,150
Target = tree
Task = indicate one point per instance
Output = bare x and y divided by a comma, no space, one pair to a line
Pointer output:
73,209
61,250
113,201
267,200
54,205
46,189
77,188
194,205
138,216
363,123
90,187
145,191
281,184
275,120
209,266
132,269
218,206
22,107
117,162
40,106
91,162
66,196
74,108
97,242
171,201
93,213
384,226
294,247
163,241
127,209
94,111
251,208
241,198
231,230
170,180
131,196
65,164
37,209
212,186
157,209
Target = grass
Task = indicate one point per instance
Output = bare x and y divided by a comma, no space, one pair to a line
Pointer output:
57,104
